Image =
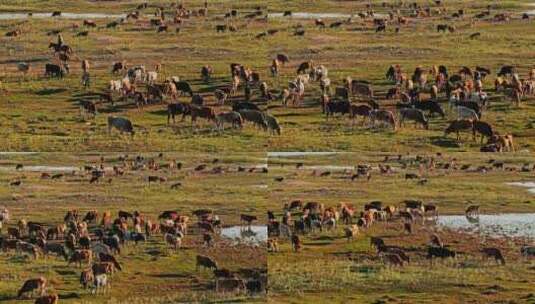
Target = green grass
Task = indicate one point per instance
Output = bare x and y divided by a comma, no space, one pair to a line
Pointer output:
329,268
153,273
42,114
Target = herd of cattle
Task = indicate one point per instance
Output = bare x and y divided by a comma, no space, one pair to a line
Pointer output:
95,241
299,220
418,97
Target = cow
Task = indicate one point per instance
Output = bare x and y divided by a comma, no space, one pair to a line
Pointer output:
174,240
503,142
100,282
384,116
183,86
413,114
332,107
118,66
102,268
206,262
457,126
272,124
256,117
351,232
202,112
439,252
89,23
54,70
495,253
86,277
123,125
483,128
89,107
359,110
174,109
30,286
231,117
80,256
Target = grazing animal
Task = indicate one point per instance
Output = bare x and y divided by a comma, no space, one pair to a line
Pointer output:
351,232
54,70
272,124
232,117
495,253
439,252
383,116
80,256
256,117
86,277
459,125
122,124
332,107
359,110
100,282
413,114
32,285
483,128
174,109
503,142
202,112
206,262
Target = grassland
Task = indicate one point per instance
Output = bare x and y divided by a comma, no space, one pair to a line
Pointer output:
153,273
42,114
329,268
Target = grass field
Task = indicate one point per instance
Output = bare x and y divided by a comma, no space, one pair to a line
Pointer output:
42,114
153,272
247,171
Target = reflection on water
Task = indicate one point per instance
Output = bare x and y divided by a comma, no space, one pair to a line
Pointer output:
252,235
510,224
15,16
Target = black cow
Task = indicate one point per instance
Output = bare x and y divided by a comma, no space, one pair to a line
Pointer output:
54,70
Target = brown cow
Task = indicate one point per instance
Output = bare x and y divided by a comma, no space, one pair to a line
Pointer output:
202,112
458,126
80,256
32,285
384,116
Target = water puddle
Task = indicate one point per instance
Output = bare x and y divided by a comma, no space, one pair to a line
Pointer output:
498,225
529,185
17,16
251,235
41,168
